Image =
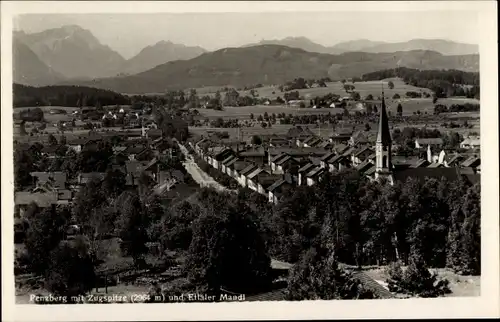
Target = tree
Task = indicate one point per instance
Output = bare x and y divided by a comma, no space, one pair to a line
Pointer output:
434,100
227,250
390,85
113,183
400,110
176,226
71,271
256,140
52,140
355,96
396,96
416,280
45,232
367,127
132,228
318,277
369,97
251,116
471,232
88,198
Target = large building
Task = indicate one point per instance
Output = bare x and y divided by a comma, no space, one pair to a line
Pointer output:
384,167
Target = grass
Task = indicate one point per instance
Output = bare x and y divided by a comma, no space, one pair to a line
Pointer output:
243,112
364,88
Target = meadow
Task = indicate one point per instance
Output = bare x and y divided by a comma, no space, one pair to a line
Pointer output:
364,88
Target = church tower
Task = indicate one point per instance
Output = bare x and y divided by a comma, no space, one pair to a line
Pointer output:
383,163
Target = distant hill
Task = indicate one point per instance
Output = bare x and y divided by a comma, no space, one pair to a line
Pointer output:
354,45
441,46
72,52
444,47
273,64
296,42
157,54
28,69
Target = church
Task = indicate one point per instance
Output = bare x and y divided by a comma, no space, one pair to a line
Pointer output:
384,168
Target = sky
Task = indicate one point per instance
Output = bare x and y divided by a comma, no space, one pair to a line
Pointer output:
129,33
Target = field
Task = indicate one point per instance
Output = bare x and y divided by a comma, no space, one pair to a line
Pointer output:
243,112
364,88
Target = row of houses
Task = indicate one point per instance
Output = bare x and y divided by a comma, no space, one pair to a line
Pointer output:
272,170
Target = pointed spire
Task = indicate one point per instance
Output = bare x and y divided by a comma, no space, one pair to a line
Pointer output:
384,134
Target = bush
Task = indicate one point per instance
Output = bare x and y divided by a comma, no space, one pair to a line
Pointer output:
416,280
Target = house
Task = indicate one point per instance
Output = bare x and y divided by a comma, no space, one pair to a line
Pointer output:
326,158
76,144
217,154
85,177
471,143
199,146
133,150
257,156
22,199
235,168
57,179
226,161
242,175
359,138
327,145
341,137
338,163
421,163
300,154
436,165
263,181
312,142
283,164
154,134
302,173
364,166
299,132
314,175
471,162
278,190
340,148
453,160
361,155
251,178
432,142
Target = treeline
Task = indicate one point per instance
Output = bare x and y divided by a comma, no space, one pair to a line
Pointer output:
71,96
301,83
444,83
467,107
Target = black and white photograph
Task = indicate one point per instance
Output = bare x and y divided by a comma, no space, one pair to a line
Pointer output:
239,155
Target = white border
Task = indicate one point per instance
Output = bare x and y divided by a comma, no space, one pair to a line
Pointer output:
486,305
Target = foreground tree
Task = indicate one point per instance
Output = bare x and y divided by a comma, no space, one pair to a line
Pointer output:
318,277
416,280
132,228
227,251
45,232
71,270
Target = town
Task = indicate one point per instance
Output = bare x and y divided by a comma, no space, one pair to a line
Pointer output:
364,185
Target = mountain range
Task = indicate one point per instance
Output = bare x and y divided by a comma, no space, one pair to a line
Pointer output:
75,53
444,47
273,64
72,55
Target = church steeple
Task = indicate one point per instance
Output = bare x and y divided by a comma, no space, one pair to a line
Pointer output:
383,164
384,134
